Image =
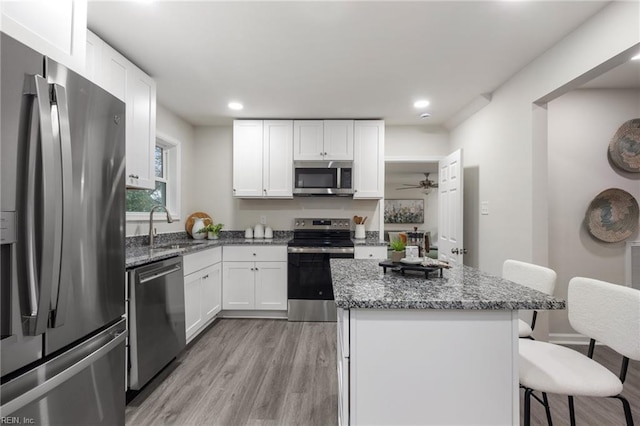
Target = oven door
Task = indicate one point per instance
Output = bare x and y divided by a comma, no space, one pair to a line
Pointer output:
310,290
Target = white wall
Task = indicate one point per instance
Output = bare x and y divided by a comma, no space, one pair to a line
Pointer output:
213,182
176,128
581,124
416,141
500,157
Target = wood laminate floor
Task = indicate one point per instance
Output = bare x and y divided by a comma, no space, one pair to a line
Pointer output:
247,372
274,372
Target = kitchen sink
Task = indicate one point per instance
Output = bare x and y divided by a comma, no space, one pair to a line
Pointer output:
177,246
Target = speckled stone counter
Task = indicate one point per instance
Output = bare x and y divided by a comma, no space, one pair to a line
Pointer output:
361,283
137,255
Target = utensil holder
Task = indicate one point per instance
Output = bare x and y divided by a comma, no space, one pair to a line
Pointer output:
360,232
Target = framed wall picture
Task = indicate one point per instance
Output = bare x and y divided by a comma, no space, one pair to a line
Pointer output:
404,211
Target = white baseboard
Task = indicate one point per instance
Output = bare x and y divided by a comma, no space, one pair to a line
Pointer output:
568,339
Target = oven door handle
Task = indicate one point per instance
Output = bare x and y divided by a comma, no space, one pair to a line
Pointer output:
345,250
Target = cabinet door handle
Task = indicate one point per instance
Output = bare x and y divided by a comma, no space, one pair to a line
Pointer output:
205,277
324,153
254,254
256,269
134,176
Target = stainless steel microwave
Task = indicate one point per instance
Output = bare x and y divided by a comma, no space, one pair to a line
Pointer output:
323,178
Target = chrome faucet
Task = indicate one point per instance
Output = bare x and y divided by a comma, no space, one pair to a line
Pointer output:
151,229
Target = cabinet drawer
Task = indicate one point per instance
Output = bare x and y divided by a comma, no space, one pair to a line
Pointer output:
255,253
371,252
196,261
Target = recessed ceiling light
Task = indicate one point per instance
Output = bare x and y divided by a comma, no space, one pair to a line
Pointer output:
425,115
235,105
421,103
636,58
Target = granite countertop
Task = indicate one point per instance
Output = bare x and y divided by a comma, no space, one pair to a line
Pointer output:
361,283
140,255
368,242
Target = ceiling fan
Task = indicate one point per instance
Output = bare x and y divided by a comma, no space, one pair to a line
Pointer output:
426,185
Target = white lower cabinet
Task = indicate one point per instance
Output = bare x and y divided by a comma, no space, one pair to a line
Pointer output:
202,289
370,252
250,283
420,366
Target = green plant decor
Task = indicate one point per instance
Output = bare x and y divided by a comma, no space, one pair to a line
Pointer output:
214,229
397,244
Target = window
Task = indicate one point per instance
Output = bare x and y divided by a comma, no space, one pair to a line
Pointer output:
167,160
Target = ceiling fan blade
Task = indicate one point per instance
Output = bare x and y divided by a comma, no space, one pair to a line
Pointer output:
409,187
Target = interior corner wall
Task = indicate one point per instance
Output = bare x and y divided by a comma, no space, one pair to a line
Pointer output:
175,127
581,124
497,141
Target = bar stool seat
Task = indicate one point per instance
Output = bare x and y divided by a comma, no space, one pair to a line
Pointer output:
551,368
524,329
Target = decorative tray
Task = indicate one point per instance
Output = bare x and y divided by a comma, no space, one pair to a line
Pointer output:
402,267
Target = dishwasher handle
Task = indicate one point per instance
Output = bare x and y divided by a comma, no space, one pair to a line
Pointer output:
159,272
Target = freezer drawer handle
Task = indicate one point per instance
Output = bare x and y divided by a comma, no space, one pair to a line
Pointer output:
48,385
153,274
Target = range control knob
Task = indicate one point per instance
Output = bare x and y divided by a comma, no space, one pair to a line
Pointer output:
297,223
302,223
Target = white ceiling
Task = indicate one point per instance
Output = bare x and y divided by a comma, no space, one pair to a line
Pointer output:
331,59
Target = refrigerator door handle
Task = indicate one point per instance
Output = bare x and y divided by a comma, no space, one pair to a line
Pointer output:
59,300
48,385
40,272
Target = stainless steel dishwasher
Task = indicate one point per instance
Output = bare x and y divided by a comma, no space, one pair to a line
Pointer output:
156,318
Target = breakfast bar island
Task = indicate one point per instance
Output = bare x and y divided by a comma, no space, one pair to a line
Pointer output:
428,351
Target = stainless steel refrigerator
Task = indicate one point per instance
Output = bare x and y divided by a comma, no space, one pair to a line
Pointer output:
62,270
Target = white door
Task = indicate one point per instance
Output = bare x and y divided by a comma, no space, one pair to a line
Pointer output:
247,158
450,227
238,284
271,285
308,140
338,140
192,301
368,159
278,157
211,291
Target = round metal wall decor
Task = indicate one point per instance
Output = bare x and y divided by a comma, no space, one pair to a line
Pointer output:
624,148
612,216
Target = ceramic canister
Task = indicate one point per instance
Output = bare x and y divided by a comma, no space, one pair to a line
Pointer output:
198,224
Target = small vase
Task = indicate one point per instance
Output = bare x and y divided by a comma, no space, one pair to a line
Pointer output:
396,256
212,236
198,224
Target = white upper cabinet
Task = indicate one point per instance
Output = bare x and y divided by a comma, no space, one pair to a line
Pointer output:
54,28
123,79
323,140
338,140
141,130
368,160
308,140
277,169
263,158
247,158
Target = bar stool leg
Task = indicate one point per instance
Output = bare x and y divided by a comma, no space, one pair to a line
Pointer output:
572,412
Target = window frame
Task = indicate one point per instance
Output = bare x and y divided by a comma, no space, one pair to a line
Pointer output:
172,176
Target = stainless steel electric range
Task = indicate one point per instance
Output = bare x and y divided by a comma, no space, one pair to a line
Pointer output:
315,242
